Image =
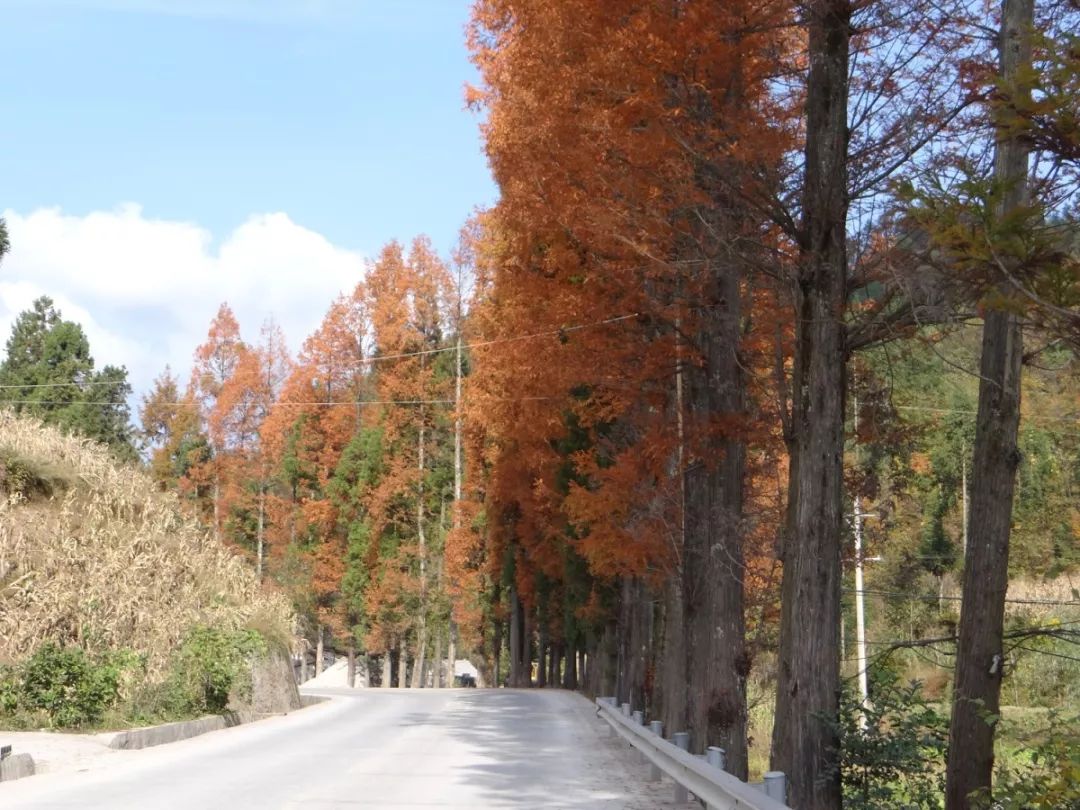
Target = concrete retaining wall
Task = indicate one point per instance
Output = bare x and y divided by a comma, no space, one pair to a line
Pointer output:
16,766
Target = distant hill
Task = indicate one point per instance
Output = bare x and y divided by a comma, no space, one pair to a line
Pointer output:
92,554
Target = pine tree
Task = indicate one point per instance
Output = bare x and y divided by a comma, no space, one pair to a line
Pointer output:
49,373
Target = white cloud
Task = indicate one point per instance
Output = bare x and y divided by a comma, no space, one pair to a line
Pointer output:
145,290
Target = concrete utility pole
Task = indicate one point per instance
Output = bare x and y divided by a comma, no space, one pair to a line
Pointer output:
860,617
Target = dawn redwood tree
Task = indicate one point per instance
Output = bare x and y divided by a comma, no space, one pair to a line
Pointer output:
305,435
243,405
215,363
809,665
980,657
387,502
170,430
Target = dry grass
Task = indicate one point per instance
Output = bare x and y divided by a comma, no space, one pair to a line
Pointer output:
111,563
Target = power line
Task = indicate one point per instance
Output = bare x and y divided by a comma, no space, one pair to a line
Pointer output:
364,362
1046,652
935,598
971,412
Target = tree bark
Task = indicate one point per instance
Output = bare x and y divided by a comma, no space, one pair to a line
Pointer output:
497,647
352,664
526,647
570,678
979,656
808,680
260,533
515,639
713,554
319,649
672,696
437,660
421,619
451,657
402,665
541,653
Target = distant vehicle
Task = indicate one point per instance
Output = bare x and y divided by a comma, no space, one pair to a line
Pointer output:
466,681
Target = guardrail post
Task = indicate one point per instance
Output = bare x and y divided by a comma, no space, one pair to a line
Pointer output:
681,740
609,701
626,710
717,757
657,728
776,785
639,719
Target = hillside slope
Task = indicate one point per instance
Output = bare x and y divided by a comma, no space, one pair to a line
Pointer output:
92,554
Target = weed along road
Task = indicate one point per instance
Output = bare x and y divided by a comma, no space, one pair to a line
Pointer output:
393,749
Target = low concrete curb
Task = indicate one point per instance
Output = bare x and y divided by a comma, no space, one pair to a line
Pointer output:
16,767
170,732
138,738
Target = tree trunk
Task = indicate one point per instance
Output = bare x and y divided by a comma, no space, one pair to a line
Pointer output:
808,680
303,661
319,653
673,681
402,666
352,664
419,660
421,619
497,647
437,660
713,552
386,680
542,654
260,533
979,656
526,647
459,472
673,676
217,504
515,640
570,679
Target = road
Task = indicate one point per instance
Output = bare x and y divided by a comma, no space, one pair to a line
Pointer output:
392,749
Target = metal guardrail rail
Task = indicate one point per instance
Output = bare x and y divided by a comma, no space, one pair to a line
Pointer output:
709,783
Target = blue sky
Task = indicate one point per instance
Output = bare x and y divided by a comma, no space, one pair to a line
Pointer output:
159,135
346,115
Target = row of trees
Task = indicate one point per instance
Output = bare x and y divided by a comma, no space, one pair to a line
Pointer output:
711,211
333,470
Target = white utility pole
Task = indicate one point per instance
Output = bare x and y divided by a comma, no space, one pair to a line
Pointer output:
860,605
860,617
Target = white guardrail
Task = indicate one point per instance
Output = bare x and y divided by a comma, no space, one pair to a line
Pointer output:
705,778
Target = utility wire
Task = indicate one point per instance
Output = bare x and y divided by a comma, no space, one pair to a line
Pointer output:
364,362
935,598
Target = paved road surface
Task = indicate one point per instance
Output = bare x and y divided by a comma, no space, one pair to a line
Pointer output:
393,749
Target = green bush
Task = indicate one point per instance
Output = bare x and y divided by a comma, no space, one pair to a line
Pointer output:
1044,774
9,691
896,760
64,687
210,666
65,684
